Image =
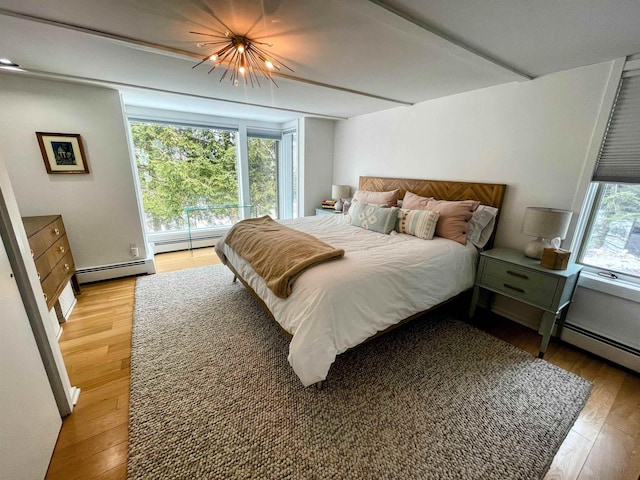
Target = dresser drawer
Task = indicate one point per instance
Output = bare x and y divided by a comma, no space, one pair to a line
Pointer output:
56,280
521,283
47,236
46,262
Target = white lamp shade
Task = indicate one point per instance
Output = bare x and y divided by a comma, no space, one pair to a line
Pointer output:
340,191
546,222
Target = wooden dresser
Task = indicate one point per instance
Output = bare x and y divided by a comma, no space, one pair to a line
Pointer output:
52,255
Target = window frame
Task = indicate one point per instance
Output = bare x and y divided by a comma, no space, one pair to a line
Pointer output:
623,285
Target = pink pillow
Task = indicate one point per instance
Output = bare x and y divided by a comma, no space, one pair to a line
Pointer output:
412,201
388,199
454,218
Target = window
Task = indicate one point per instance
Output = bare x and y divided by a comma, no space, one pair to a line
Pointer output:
182,166
263,175
611,240
193,179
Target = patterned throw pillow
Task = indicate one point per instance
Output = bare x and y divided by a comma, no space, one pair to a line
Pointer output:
419,223
373,217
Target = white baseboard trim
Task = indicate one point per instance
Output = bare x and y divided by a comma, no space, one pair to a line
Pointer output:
117,270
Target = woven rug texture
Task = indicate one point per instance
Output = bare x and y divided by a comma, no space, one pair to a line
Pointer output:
213,396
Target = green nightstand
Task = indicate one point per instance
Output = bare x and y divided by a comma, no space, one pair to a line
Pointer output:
326,211
510,273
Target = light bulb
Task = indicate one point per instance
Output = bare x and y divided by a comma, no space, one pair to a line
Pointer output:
213,58
236,83
241,48
242,70
269,65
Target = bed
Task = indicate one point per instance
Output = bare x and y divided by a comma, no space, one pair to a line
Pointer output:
379,284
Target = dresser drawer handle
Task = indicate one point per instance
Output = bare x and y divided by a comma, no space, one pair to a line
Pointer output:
61,249
510,287
45,297
33,254
38,275
56,231
518,274
66,266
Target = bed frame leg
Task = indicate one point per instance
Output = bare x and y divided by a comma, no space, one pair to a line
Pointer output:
235,277
321,384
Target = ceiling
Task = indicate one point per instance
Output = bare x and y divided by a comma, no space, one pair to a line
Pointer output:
349,57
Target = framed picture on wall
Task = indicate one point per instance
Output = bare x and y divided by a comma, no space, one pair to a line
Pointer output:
62,152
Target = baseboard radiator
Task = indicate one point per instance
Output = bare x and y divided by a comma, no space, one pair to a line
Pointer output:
116,270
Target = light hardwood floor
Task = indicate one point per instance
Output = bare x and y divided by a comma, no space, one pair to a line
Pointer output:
604,443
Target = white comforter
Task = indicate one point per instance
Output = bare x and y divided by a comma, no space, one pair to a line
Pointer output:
381,280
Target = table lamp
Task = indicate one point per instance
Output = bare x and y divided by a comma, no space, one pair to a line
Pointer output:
544,224
338,192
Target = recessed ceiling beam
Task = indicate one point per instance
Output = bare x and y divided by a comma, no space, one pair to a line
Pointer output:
449,38
178,53
115,85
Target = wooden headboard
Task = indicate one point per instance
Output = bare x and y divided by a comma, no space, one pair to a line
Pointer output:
490,194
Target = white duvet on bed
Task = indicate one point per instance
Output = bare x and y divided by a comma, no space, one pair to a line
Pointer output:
381,280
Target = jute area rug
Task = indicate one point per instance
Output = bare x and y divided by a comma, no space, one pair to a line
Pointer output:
212,396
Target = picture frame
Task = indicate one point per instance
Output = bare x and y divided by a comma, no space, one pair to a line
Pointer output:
62,152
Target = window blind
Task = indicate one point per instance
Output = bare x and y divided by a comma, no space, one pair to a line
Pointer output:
619,157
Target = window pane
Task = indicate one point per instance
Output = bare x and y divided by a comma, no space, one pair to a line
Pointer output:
263,175
613,240
184,166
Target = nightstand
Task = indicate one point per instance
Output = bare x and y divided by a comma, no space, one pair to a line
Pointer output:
326,211
510,273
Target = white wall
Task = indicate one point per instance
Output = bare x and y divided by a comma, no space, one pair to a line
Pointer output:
532,136
316,144
99,209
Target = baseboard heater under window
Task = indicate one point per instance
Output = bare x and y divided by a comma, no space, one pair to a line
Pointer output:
603,339
186,239
103,268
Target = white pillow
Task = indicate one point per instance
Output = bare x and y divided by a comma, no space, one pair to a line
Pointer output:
481,225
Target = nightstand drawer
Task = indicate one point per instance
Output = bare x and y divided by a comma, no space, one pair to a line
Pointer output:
525,284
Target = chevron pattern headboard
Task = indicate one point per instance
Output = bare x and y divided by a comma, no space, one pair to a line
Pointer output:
490,194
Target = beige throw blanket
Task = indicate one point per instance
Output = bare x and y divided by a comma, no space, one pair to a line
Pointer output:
277,253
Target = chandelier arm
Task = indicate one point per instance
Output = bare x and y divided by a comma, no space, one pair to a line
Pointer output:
255,61
201,62
209,35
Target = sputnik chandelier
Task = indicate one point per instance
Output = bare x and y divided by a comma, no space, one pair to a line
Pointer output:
241,57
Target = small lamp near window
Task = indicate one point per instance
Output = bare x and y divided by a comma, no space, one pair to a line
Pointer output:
339,192
544,224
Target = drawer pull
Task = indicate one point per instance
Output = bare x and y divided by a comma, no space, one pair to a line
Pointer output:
518,274
33,254
38,275
66,266
45,297
510,287
56,231
61,249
